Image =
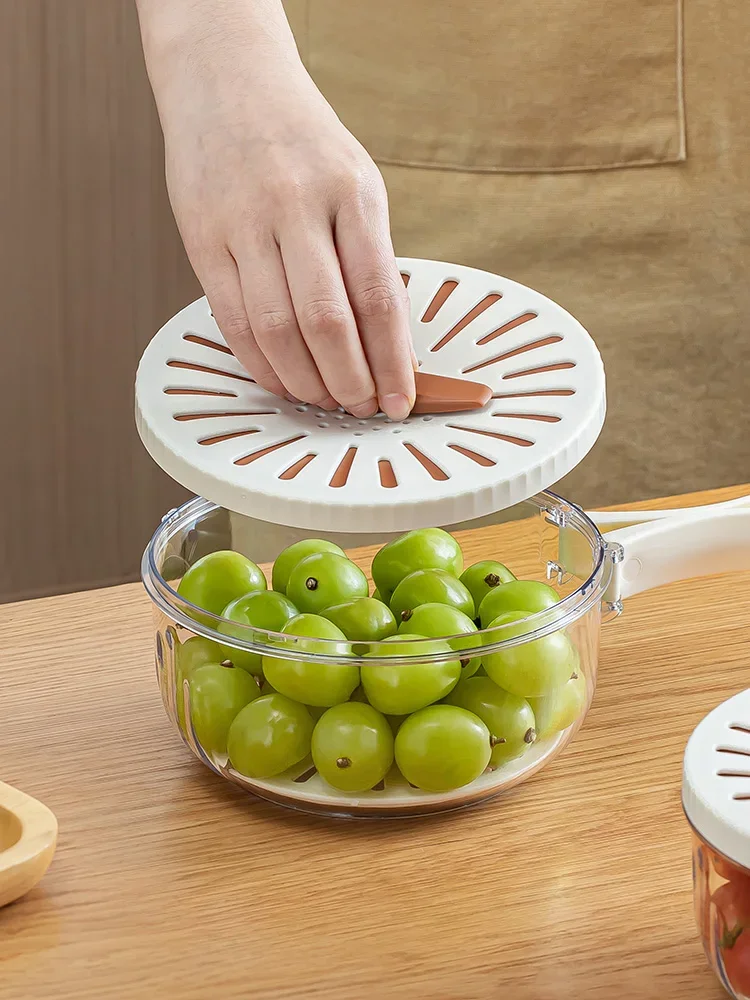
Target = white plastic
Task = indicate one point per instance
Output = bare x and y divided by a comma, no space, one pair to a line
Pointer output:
395,798
650,548
716,779
236,445
685,545
610,520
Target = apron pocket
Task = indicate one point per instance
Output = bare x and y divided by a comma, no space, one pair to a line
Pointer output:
506,85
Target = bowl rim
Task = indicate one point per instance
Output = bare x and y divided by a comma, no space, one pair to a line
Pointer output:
568,610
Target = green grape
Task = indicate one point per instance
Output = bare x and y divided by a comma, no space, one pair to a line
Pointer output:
363,620
424,548
401,688
534,668
442,747
518,595
509,718
195,652
293,554
439,621
320,684
430,586
265,610
218,578
483,577
323,580
352,747
187,656
383,598
271,734
565,705
217,694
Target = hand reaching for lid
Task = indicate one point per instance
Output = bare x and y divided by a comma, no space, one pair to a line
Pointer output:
283,214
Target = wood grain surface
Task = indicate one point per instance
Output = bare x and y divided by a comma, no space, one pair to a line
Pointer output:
169,883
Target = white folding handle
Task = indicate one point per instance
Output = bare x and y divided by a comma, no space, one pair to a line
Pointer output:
609,520
651,548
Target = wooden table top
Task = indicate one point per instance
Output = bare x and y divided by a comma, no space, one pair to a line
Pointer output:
169,883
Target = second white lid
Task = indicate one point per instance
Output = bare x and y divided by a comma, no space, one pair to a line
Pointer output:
716,779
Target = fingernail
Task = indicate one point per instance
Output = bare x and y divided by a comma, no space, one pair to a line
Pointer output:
291,398
396,406
414,362
368,409
329,404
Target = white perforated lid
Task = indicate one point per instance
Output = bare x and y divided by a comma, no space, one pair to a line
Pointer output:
716,779
223,437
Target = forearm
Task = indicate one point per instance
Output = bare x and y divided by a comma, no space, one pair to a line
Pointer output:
202,35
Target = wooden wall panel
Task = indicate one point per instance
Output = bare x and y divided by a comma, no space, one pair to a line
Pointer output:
90,265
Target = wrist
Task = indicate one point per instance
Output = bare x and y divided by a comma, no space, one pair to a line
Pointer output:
203,33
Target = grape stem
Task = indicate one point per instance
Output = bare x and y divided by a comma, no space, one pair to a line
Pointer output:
311,583
729,937
343,762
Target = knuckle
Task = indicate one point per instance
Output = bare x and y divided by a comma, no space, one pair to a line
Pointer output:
233,324
379,300
272,324
326,319
359,174
349,183
370,196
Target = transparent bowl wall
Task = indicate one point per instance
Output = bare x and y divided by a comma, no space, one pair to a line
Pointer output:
721,893
555,543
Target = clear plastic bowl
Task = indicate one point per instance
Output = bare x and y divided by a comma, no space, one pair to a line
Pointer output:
555,543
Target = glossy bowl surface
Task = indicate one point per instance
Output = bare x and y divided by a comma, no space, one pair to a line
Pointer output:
545,538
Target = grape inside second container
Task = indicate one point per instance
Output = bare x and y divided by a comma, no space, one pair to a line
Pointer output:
715,797
532,531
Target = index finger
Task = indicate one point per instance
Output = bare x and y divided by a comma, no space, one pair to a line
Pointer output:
380,304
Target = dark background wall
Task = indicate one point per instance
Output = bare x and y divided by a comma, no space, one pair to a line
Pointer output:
90,266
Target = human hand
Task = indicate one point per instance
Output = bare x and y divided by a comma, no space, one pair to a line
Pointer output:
283,214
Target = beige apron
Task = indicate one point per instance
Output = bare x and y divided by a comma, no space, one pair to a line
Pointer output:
599,152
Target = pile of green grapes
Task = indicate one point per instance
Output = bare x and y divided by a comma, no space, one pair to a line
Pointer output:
442,724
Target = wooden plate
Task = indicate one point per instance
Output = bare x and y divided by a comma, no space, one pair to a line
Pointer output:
28,837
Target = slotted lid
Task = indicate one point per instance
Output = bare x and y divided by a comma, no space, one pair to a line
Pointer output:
223,437
716,779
